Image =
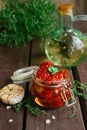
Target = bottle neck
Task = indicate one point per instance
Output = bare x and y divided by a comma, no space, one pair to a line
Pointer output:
66,22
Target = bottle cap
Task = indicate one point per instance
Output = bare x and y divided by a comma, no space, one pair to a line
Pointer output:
65,9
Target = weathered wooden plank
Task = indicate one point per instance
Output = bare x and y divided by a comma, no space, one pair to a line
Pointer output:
58,2
62,121
81,26
82,71
79,7
11,59
85,6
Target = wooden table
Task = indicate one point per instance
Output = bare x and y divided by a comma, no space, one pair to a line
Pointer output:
12,59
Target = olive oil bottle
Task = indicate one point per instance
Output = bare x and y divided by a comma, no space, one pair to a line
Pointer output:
68,47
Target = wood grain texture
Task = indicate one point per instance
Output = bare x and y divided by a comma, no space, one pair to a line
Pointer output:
11,59
62,122
81,72
80,6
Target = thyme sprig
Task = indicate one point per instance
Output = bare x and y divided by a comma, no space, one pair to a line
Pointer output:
36,110
73,114
80,89
30,105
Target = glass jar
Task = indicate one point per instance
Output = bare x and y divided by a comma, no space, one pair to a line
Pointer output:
66,46
53,95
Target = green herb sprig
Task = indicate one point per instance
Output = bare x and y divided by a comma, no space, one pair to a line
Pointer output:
80,89
21,22
30,105
35,110
73,114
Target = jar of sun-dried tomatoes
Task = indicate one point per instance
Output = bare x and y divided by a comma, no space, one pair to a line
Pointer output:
55,91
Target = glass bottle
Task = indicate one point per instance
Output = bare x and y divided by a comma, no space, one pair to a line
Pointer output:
67,46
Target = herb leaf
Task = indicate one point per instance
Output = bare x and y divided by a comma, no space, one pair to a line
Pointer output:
53,69
31,106
20,105
73,114
80,89
20,21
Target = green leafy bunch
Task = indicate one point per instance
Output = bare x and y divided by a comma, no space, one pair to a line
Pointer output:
21,22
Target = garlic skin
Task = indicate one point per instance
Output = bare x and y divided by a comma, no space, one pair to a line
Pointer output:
12,94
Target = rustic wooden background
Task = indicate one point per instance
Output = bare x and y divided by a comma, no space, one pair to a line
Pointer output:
80,6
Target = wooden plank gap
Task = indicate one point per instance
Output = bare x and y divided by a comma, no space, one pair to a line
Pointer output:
25,109
30,52
26,91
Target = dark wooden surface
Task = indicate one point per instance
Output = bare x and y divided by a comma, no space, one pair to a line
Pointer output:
12,59
80,73
80,6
